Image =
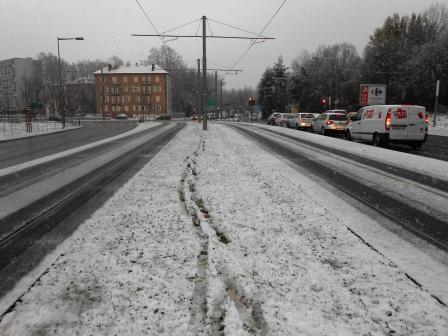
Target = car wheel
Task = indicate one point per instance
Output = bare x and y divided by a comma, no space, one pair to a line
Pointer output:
348,135
377,140
323,131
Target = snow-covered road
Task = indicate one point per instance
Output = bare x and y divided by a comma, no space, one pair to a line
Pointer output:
217,235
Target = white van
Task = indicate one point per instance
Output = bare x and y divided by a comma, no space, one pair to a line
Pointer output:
384,124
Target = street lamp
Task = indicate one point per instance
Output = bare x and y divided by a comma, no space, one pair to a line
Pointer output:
334,60
61,106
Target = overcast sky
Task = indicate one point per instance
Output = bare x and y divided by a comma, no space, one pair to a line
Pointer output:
30,26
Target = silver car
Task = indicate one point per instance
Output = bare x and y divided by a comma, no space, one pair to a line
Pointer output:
285,118
330,123
302,121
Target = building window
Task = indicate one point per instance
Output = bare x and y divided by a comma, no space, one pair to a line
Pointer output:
105,108
106,89
135,79
139,99
157,99
114,80
125,89
126,108
158,107
157,79
125,79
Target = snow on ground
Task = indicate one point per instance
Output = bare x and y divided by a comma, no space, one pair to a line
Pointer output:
15,130
441,126
29,164
129,270
217,235
424,165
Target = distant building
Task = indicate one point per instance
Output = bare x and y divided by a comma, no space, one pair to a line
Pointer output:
20,83
80,96
134,91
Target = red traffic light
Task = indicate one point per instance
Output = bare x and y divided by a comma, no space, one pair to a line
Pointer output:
251,101
323,101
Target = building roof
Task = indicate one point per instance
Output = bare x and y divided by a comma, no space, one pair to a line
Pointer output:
139,69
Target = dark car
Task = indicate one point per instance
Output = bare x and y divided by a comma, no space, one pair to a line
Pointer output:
163,117
121,116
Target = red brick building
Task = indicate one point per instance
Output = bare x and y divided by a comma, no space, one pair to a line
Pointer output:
137,91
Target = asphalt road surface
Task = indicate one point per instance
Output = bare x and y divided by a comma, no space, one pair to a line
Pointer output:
26,149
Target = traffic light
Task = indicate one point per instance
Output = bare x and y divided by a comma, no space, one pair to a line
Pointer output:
323,101
251,102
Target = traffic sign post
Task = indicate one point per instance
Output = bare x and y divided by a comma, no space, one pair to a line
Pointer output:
434,122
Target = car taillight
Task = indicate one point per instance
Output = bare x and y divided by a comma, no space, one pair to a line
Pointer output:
427,119
387,121
329,122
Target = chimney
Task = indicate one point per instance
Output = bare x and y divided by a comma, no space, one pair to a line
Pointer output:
153,67
109,67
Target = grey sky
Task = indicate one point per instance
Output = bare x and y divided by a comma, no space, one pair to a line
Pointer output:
30,26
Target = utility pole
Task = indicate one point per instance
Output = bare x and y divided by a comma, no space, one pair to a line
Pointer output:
198,86
434,122
216,93
220,97
204,57
204,73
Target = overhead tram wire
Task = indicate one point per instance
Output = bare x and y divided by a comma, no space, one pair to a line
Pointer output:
150,22
252,43
234,27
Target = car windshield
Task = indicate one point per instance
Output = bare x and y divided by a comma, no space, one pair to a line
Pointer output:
337,117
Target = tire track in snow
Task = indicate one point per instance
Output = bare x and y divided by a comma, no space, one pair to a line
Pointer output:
217,288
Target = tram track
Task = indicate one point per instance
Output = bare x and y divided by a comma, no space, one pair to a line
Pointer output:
408,198
26,213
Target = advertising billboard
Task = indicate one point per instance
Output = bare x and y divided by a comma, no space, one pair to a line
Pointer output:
372,94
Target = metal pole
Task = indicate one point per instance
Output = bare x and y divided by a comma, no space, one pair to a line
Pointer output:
434,122
200,104
216,95
102,94
60,89
334,79
204,73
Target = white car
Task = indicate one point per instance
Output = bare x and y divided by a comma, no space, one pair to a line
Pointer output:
330,123
302,121
384,124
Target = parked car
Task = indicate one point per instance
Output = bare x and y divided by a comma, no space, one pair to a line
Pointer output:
302,121
384,124
272,119
163,117
121,116
330,123
285,118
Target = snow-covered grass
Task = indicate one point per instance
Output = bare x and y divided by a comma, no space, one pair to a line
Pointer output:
15,130
441,126
217,235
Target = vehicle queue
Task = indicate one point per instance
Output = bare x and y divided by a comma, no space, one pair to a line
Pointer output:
380,125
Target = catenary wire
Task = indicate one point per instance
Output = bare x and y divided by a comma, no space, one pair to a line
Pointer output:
253,42
150,22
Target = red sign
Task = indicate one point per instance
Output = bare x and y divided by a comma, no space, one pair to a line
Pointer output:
364,95
401,114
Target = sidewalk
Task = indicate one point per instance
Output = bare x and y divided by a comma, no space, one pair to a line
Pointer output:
215,234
